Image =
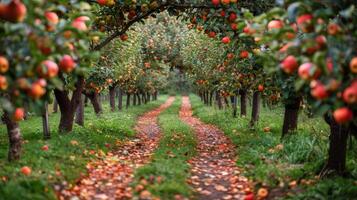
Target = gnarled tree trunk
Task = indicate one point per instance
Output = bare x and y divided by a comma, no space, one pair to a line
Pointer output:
68,106
14,135
94,99
112,97
255,108
291,115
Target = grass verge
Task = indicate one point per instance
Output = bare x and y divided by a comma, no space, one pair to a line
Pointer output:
277,164
168,170
67,155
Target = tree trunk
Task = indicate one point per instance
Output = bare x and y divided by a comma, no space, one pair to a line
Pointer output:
68,106
134,99
139,99
201,96
234,105
55,106
45,123
226,102
14,136
336,162
85,101
80,112
112,98
219,100
243,103
148,96
211,98
291,116
120,99
94,99
144,98
127,100
255,108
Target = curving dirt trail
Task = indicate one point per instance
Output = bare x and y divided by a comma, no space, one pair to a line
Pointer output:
215,175
110,177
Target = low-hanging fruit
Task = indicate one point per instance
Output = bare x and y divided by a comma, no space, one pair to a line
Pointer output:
19,114
4,64
25,170
343,115
226,40
67,64
289,64
14,12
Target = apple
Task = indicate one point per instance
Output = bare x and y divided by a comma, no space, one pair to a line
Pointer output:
25,170
80,23
42,82
342,115
321,41
52,17
318,91
14,12
226,40
48,69
267,129
350,94
260,88
44,148
147,65
232,17
102,2
36,91
275,24
333,29
304,22
212,34
225,2
3,83
262,193
289,64
249,196
67,64
4,64
244,54
306,69
223,13
215,2
329,64
234,26
19,114
353,65
124,37
230,56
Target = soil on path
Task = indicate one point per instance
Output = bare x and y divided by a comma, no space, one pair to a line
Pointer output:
214,174
110,177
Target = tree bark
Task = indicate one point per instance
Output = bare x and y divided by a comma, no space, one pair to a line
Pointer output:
112,98
336,162
134,99
234,105
68,106
55,106
211,98
120,99
127,100
80,112
139,99
85,101
226,102
94,99
148,96
14,136
291,116
45,123
144,98
255,108
219,100
243,102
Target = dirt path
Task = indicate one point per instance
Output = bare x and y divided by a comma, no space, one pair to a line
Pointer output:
214,172
109,177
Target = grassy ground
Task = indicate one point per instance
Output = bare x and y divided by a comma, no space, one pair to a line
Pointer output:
270,162
169,165
67,155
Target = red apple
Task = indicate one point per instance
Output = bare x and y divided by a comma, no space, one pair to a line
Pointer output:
102,2
353,65
230,56
304,22
223,13
289,64
275,24
226,40
15,11
124,37
36,91
244,54
260,88
48,69
333,29
215,2
321,41
234,26
25,170
3,83
67,64
19,114
232,17
225,2
212,34
249,196
4,64
44,148
319,91
52,17
308,71
343,115
350,94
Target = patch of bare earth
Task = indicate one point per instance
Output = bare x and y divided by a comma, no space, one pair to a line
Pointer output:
214,174
110,176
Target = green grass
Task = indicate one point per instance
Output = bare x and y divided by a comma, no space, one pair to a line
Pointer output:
170,159
302,156
62,156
